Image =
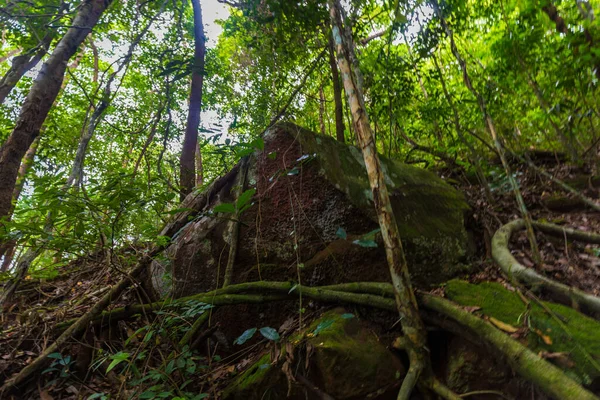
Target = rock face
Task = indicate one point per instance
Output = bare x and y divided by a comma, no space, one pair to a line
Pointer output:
330,354
308,186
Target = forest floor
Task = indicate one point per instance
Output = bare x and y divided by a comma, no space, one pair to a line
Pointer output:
28,325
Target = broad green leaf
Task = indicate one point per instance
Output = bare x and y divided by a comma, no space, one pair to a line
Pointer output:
269,333
322,326
244,337
365,243
225,208
245,198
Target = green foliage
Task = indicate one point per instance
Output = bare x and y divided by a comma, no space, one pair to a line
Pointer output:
60,368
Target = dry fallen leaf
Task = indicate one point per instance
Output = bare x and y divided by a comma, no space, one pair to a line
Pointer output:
547,339
503,326
562,359
471,309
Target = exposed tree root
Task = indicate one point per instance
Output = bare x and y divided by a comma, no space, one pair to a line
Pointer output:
526,363
511,267
79,325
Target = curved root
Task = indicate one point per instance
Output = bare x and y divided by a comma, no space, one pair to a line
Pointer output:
511,267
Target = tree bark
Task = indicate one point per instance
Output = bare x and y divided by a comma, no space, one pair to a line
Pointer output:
21,64
337,94
76,175
561,26
412,325
489,123
187,169
8,248
41,96
27,60
475,158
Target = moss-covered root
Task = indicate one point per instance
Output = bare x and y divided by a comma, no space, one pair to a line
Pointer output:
545,375
511,267
529,365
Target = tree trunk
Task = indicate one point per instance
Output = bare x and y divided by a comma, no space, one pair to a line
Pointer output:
561,27
21,64
187,170
76,175
337,94
489,123
40,98
566,141
8,248
474,156
321,110
412,325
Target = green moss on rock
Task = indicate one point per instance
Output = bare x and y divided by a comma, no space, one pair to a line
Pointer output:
583,332
262,380
429,212
346,361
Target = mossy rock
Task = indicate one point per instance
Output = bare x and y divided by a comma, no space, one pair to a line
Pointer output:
345,360
544,332
429,212
262,380
349,361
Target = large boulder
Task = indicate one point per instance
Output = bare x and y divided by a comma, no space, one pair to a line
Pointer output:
330,354
312,205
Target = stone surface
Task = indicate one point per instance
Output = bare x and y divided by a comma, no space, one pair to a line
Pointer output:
337,353
309,186
568,338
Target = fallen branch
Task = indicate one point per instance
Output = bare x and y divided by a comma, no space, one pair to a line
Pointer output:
526,363
591,203
528,276
79,325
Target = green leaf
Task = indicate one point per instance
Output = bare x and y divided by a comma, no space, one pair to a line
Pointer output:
322,326
365,243
245,198
371,235
341,233
269,333
116,360
148,395
225,208
258,143
57,356
293,171
96,396
244,337
272,155
347,316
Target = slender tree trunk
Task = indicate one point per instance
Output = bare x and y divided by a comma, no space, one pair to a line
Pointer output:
199,166
566,141
474,156
76,175
337,93
412,325
25,62
321,110
489,123
21,65
561,27
7,249
41,96
187,169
